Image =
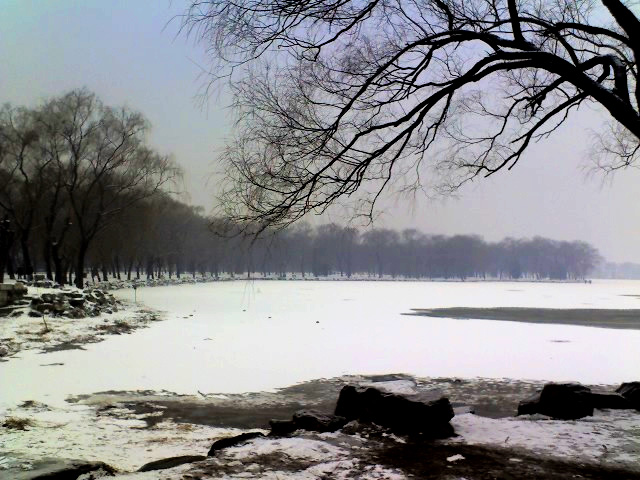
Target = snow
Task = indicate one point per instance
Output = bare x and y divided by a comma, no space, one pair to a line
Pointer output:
292,447
455,458
243,336
398,387
609,437
30,333
75,431
316,456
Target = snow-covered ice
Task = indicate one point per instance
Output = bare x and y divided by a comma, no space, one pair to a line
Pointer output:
243,336
609,437
254,336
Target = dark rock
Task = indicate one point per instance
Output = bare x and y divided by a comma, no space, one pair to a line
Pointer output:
399,414
309,420
232,441
529,406
610,400
564,401
281,428
353,427
44,307
76,301
34,313
317,422
73,295
631,391
170,462
59,307
65,470
75,313
47,297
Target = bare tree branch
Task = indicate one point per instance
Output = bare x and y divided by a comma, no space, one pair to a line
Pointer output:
338,99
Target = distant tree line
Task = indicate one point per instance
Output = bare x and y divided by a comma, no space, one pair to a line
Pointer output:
335,250
626,270
163,237
82,195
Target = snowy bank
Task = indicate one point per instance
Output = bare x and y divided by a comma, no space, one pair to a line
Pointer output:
54,319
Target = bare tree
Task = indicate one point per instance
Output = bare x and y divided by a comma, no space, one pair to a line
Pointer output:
24,175
336,97
107,165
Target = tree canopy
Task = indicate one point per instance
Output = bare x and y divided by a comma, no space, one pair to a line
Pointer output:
68,169
344,98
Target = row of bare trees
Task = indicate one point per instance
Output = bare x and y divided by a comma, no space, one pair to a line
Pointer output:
70,169
332,249
161,236
177,239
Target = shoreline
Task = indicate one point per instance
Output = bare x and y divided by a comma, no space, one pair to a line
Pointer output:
117,284
157,425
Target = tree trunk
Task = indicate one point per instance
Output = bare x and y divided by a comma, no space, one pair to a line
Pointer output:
117,265
57,263
26,257
47,259
10,270
129,268
6,238
79,273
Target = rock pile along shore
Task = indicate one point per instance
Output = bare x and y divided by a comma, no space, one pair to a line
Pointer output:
71,303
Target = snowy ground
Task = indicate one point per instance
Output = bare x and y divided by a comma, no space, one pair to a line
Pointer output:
20,332
227,338
161,425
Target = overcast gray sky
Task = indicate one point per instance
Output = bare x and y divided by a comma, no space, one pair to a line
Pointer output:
127,52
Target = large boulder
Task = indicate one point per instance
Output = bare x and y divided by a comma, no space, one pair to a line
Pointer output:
565,401
309,420
398,413
318,422
281,428
631,391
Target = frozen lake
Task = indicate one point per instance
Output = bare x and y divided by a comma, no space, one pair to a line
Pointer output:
242,336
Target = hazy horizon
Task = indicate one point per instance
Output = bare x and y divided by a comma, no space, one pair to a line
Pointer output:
130,53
